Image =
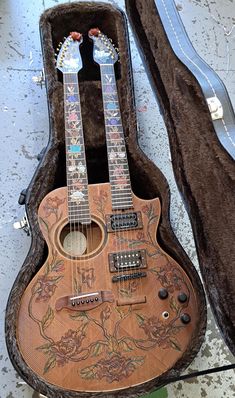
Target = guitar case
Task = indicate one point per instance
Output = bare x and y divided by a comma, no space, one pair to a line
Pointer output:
205,176
201,126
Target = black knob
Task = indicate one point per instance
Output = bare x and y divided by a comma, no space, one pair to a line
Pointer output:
163,294
185,318
182,297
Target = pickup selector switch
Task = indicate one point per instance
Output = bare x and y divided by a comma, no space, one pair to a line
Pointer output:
185,318
182,297
163,294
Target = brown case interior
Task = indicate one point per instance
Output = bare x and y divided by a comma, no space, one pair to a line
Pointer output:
204,171
147,180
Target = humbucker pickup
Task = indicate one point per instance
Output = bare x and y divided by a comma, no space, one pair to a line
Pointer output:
124,221
126,260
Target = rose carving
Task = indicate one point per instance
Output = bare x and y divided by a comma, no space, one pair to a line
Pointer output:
45,287
52,205
115,368
68,346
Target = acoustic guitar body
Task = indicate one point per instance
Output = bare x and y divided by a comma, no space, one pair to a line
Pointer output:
109,309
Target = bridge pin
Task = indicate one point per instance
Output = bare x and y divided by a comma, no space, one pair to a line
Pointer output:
96,299
87,301
83,302
77,302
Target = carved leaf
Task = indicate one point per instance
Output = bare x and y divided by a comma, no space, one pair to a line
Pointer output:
50,364
138,361
48,318
175,345
174,305
56,278
153,220
140,319
135,243
58,266
79,316
43,223
97,349
125,292
45,348
126,347
76,286
121,313
88,372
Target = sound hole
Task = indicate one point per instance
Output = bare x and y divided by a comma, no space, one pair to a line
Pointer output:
78,239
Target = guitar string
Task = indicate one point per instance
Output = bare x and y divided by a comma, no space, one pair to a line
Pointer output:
67,140
107,131
129,232
110,72
128,237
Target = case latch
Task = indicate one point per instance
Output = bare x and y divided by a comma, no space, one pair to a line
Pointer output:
23,224
215,108
39,79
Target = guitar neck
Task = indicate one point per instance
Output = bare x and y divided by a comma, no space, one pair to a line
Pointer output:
76,169
119,175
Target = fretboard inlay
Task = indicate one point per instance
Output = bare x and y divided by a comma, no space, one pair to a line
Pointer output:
78,203
117,157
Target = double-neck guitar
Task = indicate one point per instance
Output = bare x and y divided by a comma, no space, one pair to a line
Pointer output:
109,309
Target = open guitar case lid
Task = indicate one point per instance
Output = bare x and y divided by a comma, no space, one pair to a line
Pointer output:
205,176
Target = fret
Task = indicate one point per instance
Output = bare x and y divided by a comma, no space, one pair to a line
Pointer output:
77,182
122,206
121,192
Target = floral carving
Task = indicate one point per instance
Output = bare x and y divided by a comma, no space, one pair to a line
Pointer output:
45,287
109,356
115,368
169,276
100,201
160,332
87,276
52,205
68,346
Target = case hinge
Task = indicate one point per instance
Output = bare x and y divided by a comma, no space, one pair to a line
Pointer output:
215,108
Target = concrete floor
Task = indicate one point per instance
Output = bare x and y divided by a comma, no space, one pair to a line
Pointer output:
24,132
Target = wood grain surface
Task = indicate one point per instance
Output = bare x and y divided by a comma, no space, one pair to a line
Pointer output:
118,344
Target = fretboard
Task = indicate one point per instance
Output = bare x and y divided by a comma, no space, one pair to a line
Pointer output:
78,203
119,175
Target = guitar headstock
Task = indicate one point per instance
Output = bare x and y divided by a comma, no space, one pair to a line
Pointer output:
104,52
69,59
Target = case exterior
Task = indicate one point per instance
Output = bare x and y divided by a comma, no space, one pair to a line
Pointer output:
147,180
202,145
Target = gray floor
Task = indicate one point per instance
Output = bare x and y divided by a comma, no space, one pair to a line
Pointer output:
24,132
